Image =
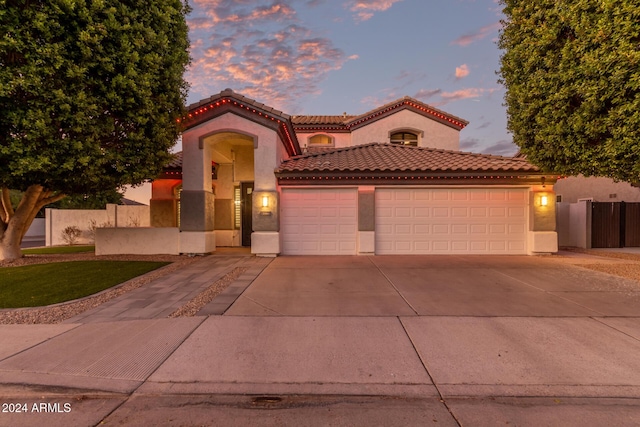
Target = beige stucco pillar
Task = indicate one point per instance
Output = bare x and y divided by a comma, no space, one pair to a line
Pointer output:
163,203
265,239
197,200
543,237
366,220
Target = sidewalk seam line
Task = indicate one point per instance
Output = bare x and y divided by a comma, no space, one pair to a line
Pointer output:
424,365
393,286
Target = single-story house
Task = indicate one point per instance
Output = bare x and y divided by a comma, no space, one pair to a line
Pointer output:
390,181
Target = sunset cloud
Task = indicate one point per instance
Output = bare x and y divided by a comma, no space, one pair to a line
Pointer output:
500,148
365,9
465,94
469,38
424,95
462,71
279,63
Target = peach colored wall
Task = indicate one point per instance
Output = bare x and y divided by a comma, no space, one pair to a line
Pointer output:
339,139
164,188
140,241
600,189
113,216
435,134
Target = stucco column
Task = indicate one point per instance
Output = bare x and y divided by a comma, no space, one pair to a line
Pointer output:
543,237
366,220
265,238
197,200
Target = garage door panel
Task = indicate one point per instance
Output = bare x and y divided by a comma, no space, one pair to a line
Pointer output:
497,228
498,196
451,221
421,229
460,196
405,229
460,229
516,247
478,229
478,212
459,212
422,247
479,246
319,221
516,228
440,228
478,196
517,212
439,212
421,196
498,246
441,246
440,195
460,246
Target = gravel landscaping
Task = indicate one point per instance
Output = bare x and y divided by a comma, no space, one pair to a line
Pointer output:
628,270
191,308
59,312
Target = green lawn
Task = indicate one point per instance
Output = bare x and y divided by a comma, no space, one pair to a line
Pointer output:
44,284
59,250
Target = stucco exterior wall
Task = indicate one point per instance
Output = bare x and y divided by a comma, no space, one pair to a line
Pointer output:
574,223
141,241
37,228
435,134
563,219
600,189
339,139
113,216
252,163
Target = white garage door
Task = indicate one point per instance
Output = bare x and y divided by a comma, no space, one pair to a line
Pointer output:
451,221
319,221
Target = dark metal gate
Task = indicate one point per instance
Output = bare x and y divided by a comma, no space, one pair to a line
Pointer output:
615,224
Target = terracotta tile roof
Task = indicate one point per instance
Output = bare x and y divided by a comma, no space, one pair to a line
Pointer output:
320,120
408,102
379,157
350,122
228,100
176,163
228,93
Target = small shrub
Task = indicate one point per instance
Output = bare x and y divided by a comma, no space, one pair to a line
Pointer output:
71,234
93,225
133,222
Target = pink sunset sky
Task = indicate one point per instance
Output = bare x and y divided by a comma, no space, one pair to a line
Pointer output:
335,56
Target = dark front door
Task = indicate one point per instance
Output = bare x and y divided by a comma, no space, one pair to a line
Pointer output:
246,189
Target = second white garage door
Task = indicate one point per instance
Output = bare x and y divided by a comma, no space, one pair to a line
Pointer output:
451,221
319,221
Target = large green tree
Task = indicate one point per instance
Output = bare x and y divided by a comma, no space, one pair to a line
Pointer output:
572,73
90,93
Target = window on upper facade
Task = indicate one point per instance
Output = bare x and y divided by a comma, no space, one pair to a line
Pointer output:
404,138
321,140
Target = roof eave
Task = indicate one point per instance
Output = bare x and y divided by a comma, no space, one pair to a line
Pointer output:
476,177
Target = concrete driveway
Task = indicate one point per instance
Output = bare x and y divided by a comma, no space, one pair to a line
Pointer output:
449,340
485,286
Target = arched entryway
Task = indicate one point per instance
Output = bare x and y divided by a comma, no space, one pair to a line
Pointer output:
238,206
232,186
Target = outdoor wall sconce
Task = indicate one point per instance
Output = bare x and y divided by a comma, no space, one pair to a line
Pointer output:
544,200
265,201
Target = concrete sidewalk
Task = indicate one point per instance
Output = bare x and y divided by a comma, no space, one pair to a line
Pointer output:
467,341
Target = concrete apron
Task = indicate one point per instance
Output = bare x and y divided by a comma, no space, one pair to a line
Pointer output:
539,341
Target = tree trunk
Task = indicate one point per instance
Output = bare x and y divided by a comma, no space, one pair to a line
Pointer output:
9,249
14,224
